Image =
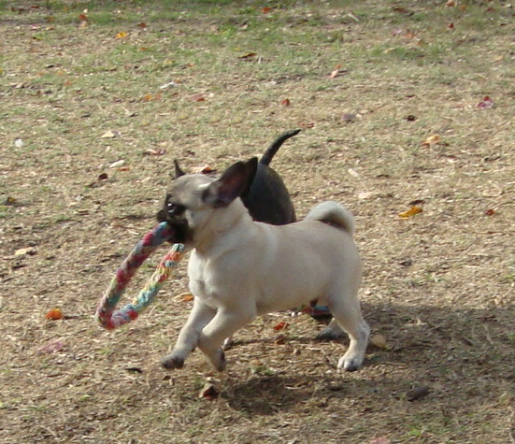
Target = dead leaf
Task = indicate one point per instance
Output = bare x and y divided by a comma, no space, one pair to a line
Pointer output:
103,176
142,25
285,102
281,326
108,135
379,341
307,125
121,35
52,347
83,19
54,315
206,169
29,251
208,392
117,164
490,212
183,297
411,212
266,9
450,25
417,393
248,56
487,102
349,117
431,140
158,152
451,3
197,98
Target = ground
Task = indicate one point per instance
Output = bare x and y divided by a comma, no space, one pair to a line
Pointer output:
402,104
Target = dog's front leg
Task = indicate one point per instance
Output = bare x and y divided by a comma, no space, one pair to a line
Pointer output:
223,326
189,336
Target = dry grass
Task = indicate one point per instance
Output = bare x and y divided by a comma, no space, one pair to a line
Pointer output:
438,287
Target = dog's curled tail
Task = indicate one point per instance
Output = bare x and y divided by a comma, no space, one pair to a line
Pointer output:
333,214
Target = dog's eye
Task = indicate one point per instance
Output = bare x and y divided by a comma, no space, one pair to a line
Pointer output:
175,209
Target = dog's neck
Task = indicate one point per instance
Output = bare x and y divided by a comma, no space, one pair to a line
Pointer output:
220,226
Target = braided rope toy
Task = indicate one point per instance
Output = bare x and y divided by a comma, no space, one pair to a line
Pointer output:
107,315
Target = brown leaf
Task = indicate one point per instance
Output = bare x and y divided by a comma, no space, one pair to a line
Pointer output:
281,326
248,56
285,102
431,140
121,35
54,315
411,212
52,347
183,297
379,341
208,392
197,98
417,393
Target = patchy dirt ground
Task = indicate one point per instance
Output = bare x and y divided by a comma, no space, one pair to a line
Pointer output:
402,104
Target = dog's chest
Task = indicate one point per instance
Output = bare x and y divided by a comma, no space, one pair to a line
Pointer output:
205,281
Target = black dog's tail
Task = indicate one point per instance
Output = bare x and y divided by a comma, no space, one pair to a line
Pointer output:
272,149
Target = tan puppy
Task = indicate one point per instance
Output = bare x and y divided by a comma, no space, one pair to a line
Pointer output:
240,268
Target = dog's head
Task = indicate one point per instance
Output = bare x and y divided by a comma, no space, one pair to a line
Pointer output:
195,201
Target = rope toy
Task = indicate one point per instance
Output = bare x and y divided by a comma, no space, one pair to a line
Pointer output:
106,315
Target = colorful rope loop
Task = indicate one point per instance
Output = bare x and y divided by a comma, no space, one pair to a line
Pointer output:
107,315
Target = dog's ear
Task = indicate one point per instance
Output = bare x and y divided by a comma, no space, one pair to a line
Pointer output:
233,182
178,171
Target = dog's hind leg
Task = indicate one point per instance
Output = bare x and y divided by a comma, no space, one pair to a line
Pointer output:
189,336
347,316
223,326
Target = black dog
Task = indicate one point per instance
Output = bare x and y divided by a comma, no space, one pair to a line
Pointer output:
267,198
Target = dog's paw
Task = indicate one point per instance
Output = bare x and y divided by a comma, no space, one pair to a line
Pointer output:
172,362
349,364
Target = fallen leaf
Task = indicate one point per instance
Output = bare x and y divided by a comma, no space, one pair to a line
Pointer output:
266,9
197,98
134,370
307,125
54,315
281,326
431,140
285,102
183,297
121,35
411,118
29,251
487,102
490,212
349,117
206,169
52,347
411,212
158,152
9,201
417,393
117,164
142,25
108,135
379,341
208,392
103,176
248,56
451,3
337,70
450,26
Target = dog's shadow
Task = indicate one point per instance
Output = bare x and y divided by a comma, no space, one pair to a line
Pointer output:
267,395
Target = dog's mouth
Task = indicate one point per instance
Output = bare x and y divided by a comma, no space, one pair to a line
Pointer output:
182,233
